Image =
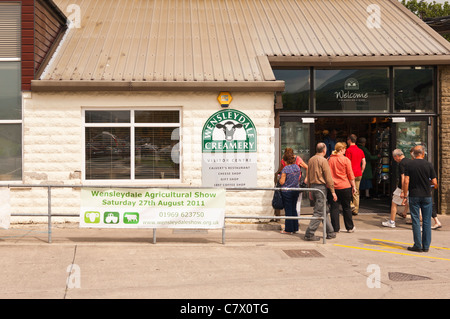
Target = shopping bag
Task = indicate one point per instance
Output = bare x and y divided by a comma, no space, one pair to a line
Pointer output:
277,200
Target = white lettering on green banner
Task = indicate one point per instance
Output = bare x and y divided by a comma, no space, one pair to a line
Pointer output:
152,208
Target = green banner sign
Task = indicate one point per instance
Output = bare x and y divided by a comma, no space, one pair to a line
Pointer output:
152,208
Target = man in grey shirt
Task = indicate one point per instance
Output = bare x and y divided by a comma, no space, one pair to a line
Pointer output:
319,177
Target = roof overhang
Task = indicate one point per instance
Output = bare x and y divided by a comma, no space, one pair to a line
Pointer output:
357,61
439,24
79,86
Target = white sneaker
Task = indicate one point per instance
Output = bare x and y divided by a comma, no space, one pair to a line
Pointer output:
351,230
389,223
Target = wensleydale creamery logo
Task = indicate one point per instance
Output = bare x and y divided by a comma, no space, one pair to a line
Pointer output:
229,131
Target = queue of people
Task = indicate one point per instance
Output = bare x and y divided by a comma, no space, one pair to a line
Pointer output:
338,176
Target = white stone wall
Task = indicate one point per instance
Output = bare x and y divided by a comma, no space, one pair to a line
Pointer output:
53,143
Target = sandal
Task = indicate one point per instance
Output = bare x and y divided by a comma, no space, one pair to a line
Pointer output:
285,232
436,226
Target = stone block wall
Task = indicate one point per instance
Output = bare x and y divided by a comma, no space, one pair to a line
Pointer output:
53,144
444,138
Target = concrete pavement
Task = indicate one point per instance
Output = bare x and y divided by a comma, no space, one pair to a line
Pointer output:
256,262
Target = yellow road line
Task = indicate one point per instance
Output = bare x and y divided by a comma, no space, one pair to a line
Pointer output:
386,246
391,252
398,242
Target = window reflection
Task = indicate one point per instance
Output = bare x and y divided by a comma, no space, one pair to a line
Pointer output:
297,89
414,89
107,153
10,91
108,117
157,153
10,152
352,90
135,145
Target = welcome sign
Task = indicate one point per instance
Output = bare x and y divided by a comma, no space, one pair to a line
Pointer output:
229,146
152,208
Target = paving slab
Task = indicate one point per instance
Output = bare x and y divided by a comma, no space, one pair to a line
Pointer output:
255,262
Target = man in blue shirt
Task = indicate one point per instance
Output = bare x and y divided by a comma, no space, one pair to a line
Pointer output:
420,177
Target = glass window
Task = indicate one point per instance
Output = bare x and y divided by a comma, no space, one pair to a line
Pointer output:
10,152
410,134
134,145
352,90
414,89
10,29
157,117
108,153
10,91
296,136
157,153
297,89
108,117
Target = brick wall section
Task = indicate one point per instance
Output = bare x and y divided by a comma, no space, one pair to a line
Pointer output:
444,138
42,25
27,44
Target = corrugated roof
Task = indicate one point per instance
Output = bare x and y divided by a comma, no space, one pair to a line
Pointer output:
228,40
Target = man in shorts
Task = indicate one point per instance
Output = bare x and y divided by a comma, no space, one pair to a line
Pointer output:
402,161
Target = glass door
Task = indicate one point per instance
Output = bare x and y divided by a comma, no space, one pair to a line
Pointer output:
296,134
414,132
418,131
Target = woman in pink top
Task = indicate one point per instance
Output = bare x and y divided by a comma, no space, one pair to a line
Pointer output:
344,185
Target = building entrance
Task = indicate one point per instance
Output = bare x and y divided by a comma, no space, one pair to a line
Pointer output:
379,136
375,139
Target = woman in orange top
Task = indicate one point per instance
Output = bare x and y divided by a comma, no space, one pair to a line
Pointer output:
344,185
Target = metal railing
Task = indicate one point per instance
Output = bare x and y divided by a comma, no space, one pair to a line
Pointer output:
49,214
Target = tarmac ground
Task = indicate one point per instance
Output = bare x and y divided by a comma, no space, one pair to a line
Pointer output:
255,262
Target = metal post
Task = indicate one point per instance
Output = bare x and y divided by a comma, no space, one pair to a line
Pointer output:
49,211
223,233
324,218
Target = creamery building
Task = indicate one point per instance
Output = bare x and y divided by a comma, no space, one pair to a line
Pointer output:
208,94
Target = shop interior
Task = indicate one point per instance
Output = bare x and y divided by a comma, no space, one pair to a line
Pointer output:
375,191
382,136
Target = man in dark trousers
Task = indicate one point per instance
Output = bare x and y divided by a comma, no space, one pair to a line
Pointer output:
319,177
420,177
